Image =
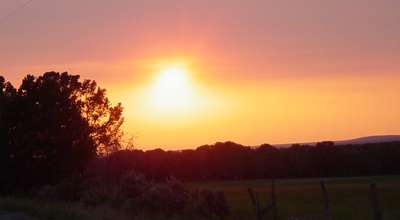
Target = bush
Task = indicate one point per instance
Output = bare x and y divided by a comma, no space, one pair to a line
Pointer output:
213,203
67,190
132,185
139,196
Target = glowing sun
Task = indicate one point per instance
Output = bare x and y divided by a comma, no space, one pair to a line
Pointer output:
172,80
172,91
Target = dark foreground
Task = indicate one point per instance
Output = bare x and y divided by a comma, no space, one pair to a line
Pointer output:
14,216
349,198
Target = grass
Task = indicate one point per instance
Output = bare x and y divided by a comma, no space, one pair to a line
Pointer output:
43,209
349,198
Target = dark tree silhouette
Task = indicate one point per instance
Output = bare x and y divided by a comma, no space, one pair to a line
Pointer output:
51,127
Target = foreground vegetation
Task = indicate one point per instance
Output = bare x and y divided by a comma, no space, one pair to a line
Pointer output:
349,198
46,209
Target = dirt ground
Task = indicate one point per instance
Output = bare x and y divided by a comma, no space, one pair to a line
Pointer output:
14,216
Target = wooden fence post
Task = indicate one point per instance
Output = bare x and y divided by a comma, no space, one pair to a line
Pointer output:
258,206
255,203
326,204
377,213
273,202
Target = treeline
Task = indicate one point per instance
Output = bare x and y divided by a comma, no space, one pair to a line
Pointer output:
230,161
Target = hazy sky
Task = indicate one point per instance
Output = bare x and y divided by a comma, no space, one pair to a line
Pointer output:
257,71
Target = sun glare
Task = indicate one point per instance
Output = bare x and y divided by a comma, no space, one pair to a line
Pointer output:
172,91
172,80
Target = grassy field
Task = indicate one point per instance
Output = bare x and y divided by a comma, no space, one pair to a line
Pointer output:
349,198
41,209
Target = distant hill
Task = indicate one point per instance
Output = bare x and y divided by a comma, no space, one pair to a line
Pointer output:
361,140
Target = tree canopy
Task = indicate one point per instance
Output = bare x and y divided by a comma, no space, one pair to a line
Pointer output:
51,126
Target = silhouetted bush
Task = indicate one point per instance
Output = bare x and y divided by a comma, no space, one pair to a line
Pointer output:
213,203
90,197
139,196
132,185
67,190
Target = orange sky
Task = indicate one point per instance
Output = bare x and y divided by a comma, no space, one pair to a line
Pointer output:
257,71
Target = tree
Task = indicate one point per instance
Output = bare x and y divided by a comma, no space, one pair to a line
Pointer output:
51,127
104,119
7,91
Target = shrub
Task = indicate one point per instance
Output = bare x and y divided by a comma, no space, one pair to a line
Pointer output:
66,190
179,196
139,196
213,203
90,198
132,185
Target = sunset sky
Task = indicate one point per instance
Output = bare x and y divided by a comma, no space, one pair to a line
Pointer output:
190,73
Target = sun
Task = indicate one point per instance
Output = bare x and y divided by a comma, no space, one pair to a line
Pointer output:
171,80
172,92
